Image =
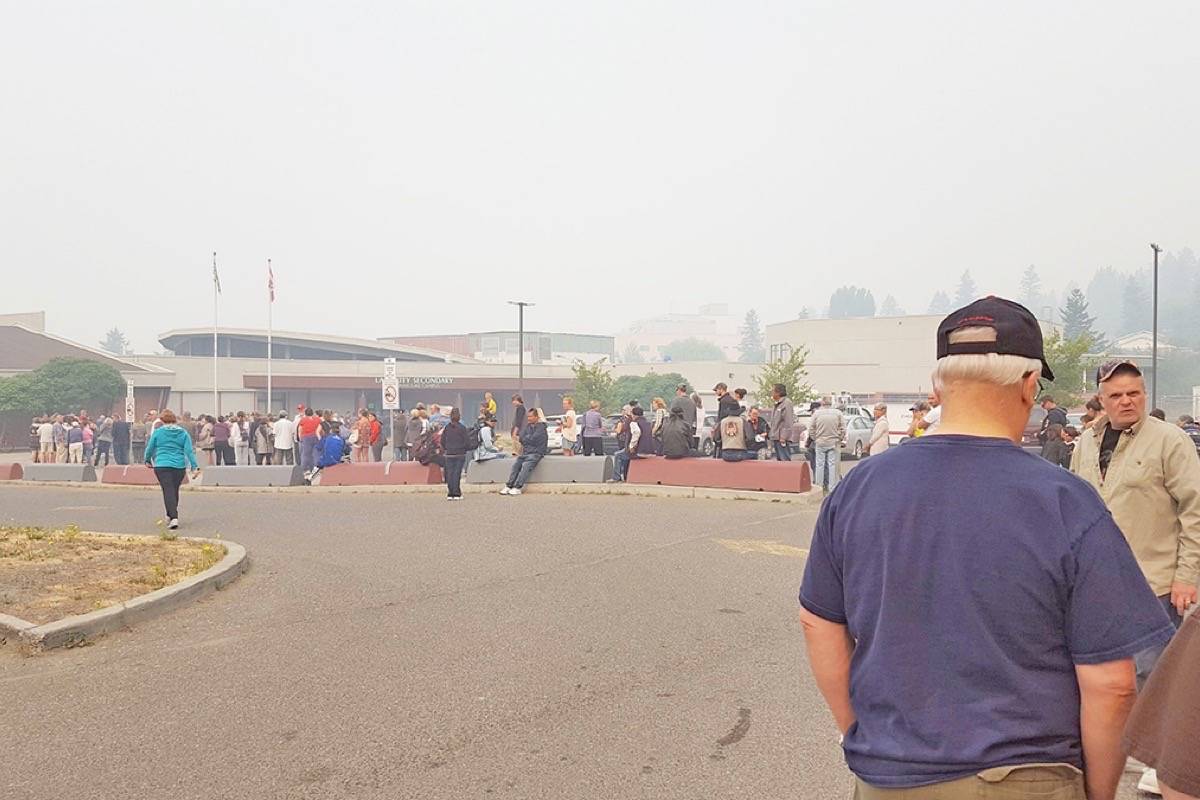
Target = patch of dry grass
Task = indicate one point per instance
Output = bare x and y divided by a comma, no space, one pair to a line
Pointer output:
47,574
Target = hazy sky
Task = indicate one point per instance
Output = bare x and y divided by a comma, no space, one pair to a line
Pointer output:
411,166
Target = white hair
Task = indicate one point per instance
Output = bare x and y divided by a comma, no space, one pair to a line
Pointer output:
992,368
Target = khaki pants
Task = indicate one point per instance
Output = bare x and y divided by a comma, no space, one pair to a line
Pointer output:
1024,782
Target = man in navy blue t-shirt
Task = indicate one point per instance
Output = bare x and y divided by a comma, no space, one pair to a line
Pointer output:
976,638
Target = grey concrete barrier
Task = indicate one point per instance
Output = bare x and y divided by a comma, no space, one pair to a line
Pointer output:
272,475
551,469
84,473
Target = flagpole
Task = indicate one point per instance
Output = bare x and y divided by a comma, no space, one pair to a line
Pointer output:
270,308
216,289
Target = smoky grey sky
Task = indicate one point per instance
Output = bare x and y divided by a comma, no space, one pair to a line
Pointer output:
410,166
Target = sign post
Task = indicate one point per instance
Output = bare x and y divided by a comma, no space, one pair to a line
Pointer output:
391,396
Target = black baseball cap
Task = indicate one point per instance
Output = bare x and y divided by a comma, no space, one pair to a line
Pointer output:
1017,332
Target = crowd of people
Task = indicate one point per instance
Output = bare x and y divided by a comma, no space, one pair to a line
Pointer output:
1002,627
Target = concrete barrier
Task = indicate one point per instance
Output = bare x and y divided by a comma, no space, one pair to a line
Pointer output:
83,473
384,473
131,475
551,469
269,475
11,472
713,473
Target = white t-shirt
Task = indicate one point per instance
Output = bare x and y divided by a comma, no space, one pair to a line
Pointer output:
46,433
570,430
285,434
933,417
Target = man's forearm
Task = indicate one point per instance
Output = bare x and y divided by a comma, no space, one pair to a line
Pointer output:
829,651
1102,719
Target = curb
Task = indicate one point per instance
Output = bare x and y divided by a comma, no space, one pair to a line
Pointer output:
74,630
812,499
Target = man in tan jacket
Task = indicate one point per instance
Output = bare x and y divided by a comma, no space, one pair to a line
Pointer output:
1148,473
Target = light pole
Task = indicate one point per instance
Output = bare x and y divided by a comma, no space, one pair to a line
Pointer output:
520,304
1154,335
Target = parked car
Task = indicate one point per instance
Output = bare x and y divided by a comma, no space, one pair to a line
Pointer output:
705,433
858,436
554,437
1075,418
1029,437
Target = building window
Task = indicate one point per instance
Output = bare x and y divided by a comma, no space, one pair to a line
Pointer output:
490,346
510,344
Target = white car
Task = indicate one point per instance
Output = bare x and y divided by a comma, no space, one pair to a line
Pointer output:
554,437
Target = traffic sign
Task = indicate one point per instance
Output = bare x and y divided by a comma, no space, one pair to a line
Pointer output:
129,408
389,368
391,393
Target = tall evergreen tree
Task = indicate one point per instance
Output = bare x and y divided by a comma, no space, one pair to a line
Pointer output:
1135,307
752,350
1078,323
890,308
940,304
1030,292
967,292
115,342
851,301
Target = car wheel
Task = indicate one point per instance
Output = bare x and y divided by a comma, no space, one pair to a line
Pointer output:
707,447
858,451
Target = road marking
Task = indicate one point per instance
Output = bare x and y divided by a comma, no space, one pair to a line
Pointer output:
768,546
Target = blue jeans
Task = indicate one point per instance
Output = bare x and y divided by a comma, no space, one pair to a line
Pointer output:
522,466
454,473
1145,661
308,452
621,461
828,464
738,455
783,451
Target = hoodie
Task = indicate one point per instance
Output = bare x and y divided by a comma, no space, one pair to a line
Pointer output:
170,446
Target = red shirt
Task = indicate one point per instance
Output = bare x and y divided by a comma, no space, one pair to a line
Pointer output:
309,425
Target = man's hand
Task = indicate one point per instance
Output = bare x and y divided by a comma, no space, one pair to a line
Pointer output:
1183,597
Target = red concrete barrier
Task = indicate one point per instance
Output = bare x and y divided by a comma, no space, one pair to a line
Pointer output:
11,472
713,473
131,475
381,473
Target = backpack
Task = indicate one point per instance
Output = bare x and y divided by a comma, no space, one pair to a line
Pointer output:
473,437
426,448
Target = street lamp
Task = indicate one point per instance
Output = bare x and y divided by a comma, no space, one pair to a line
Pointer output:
520,304
1154,335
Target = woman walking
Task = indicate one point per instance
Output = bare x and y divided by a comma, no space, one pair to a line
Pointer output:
455,444
170,452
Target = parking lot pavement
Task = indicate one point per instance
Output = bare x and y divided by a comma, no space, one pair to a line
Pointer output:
398,646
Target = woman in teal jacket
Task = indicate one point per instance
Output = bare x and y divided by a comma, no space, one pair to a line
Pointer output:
170,452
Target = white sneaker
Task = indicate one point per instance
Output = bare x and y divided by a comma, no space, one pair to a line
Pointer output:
505,490
514,491
1149,782
173,524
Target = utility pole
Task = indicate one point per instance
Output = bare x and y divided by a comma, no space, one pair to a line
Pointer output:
520,304
1154,335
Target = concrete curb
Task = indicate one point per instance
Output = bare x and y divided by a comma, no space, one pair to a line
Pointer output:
811,499
77,629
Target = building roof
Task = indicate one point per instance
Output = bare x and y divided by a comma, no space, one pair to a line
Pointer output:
346,344
23,350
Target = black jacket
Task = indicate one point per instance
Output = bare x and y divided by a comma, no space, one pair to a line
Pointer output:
454,439
676,435
521,420
728,406
534,439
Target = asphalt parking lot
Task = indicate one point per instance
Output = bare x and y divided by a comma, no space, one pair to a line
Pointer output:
398,646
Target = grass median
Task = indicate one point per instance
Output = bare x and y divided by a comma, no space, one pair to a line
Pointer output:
50,573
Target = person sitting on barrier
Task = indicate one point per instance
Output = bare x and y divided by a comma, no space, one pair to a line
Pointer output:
329,451
736,436
534,441
761,435
487,449
677,434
